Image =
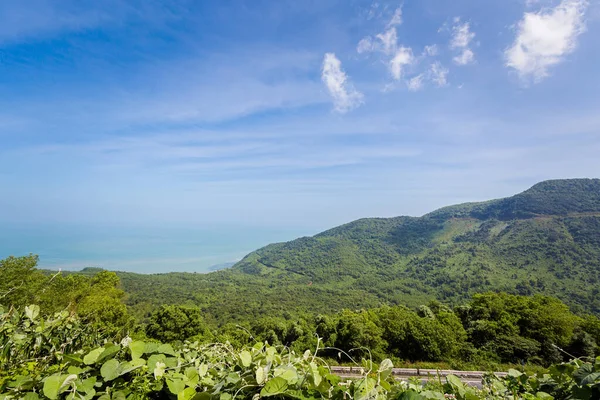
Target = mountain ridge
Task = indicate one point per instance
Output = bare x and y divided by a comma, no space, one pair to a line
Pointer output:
545,240
534,237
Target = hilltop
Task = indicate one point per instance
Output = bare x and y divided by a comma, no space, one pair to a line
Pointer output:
545,240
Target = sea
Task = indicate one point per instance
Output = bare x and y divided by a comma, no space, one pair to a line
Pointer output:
140,249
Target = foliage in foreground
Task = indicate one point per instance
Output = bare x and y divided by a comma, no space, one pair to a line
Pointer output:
57,358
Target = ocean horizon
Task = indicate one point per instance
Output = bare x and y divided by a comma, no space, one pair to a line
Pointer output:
138,249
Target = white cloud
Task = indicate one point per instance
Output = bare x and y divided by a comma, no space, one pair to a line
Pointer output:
404,56
396,18
461,35
431,50
415,84
365,45
461,40
386,43
545,37
345,97
439,74
466,57
389,40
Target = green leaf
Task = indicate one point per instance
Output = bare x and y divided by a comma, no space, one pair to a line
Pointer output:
91,357
110,370
119,396
470,394
333,379
171,362
364,388
137,348
457,384
108,352
151,347
431,395
75,370
52,385
127,367
166,349
191,376
32,311
273,387
87,385
591,378
314,370
288,373
202,370
543,396
72,359
202,396
68,380
454,381
260,375
385,368
246,358
187,394
412,395
514,373
155,358
176,386
31,396
233,378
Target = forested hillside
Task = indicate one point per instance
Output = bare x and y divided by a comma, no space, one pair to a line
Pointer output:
487,331
545,240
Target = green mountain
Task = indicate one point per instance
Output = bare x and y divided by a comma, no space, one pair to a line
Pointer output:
544,240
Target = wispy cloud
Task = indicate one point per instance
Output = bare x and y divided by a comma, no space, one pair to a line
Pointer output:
24,20
416,83
416,70
403,57
217,153
461,35
461,40
466,57
431,50
385,42
345,97
438,74
396,18
177,91
389,41
545,37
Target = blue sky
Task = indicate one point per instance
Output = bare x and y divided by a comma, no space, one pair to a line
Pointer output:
302,114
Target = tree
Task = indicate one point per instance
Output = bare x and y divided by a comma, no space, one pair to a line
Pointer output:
433,337
359,330
101,304
175,323
20,282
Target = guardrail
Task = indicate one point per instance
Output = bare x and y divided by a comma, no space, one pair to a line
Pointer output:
417,372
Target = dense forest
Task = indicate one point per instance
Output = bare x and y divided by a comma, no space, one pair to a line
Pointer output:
71,336
488,330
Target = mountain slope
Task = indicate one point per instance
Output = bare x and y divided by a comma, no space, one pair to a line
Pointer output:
545,240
